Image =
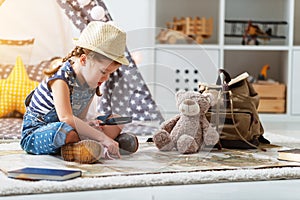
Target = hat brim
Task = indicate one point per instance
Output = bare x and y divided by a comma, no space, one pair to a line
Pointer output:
120,59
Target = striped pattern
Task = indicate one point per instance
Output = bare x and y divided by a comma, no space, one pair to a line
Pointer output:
42,99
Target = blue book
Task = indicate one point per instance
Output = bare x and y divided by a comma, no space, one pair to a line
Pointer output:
33,173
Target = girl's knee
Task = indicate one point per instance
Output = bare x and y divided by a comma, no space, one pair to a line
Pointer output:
112,131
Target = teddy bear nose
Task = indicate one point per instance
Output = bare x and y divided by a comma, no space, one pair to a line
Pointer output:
189,102
189,107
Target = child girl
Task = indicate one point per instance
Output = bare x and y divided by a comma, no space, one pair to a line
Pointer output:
56,109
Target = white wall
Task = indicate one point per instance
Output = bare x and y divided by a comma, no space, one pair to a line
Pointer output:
136,17
131,14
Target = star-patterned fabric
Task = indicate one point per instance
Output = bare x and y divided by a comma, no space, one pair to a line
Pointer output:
125,92
14,89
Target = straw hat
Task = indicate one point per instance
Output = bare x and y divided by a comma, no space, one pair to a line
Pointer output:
104,38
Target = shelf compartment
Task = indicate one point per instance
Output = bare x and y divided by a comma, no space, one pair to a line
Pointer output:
295,92
297,23
239,61
182,68
270,11
166,11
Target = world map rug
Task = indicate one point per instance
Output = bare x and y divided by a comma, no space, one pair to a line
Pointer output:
148,167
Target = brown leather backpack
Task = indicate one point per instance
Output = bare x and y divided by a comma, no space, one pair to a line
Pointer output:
235,111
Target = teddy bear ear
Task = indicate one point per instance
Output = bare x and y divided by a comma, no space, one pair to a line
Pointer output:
211,99
179,93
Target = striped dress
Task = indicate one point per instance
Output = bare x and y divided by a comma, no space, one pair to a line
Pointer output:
80,94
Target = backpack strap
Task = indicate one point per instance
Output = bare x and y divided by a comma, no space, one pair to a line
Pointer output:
226,79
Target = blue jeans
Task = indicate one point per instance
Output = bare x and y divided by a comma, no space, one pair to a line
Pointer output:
43,134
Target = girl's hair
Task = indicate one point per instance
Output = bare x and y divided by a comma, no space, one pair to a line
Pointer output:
77,52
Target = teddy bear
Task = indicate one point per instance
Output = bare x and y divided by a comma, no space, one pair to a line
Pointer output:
189,131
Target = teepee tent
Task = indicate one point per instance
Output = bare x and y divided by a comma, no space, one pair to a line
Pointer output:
52,25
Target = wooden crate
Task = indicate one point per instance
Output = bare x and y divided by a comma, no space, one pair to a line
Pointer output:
271,106
272,97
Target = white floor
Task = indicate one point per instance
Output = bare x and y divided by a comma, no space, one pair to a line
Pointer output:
275,190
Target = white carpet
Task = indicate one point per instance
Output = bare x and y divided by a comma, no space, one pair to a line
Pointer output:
19,187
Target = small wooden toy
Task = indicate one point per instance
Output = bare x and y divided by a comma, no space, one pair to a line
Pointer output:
188,29
263,72
251,31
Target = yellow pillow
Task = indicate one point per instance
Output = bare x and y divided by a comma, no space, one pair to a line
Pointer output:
14,89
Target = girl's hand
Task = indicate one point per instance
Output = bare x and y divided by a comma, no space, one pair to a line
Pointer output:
94,123
112,147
